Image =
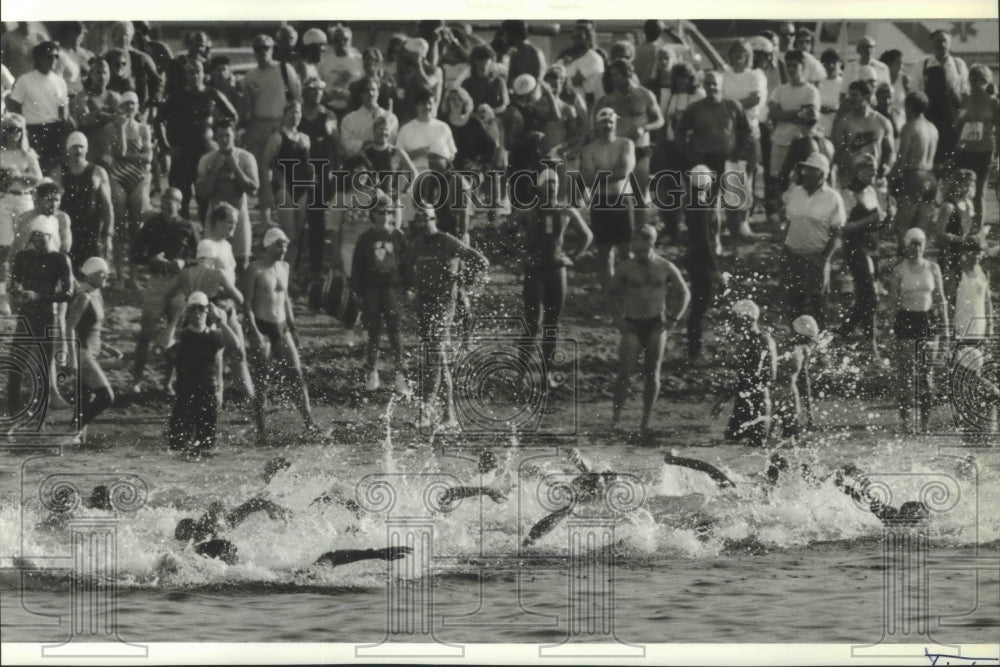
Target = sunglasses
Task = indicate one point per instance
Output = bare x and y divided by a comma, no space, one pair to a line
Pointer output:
198,309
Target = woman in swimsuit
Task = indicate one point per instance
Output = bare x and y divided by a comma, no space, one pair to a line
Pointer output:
18,176
85,319
287,177
915,285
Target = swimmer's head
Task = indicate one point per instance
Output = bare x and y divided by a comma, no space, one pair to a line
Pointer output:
914,243
643,241
487,461
274,466
745,309
186,529
701,176
548,182
806,326
776,466
276,243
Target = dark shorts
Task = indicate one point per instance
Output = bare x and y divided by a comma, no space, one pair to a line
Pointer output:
912,325
275,331
611,225
646,327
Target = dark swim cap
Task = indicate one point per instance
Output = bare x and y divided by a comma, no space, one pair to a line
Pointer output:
223,550
185,529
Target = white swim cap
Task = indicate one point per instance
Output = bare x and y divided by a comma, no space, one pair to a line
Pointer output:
273,235
747,308
914,234
702,176
805,325
93,265
197,299
547,175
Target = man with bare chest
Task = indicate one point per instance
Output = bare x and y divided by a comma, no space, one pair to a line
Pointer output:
270,322
640,291
606,163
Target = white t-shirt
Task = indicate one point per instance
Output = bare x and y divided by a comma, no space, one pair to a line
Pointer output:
852,72
339,71
434,136
792,98
970,305
591,66
812,219
738,86
40,96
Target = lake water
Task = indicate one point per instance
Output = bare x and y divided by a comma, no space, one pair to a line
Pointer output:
800,563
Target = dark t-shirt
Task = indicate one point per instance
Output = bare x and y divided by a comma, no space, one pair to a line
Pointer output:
543,239
377,259
195,360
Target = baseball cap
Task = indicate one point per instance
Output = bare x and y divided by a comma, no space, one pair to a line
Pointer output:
805,325
172,193
273,235
747,308
93,265
867,40
761,43
263,41
77,139
914,234
313,36
207,249
45,49
524,84
607,113
197,299
130,96
817,161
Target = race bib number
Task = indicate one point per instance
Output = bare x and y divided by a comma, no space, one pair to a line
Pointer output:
972,131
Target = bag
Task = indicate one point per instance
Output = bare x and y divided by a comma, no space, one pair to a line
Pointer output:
333,296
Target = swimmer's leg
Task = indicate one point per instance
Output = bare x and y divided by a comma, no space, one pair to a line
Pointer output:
545,526
654,346
345,556
628,352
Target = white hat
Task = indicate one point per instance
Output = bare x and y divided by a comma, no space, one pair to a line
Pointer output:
207,249
93,265
819,161
40,223
197,299
274,234
914,233
129,96
524,84
313,36
417,45
77,139
761,43
747,308
805,325
547,175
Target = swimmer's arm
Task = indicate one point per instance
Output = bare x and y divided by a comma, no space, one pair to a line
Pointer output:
107,211
545,526
73,315
719,477
66,282
462,492
939,298
888,147
626,161
653,112
345,556
228,335
674,275
942,221
576,219
256,504
229,289
773,349
476,260
251,283
65,232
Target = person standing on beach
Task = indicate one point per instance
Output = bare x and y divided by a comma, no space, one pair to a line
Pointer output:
641,289
85,319
270,321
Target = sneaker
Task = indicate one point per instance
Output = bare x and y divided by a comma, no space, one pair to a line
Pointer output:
372,383
402,387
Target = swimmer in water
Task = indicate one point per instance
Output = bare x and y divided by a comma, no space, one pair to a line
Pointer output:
588,487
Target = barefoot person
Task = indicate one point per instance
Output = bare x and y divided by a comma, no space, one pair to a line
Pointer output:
271,324
19,173
40,279
544,290
915,288
610,218
793,386
196,409
85,319
642,288
756,367
434,263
